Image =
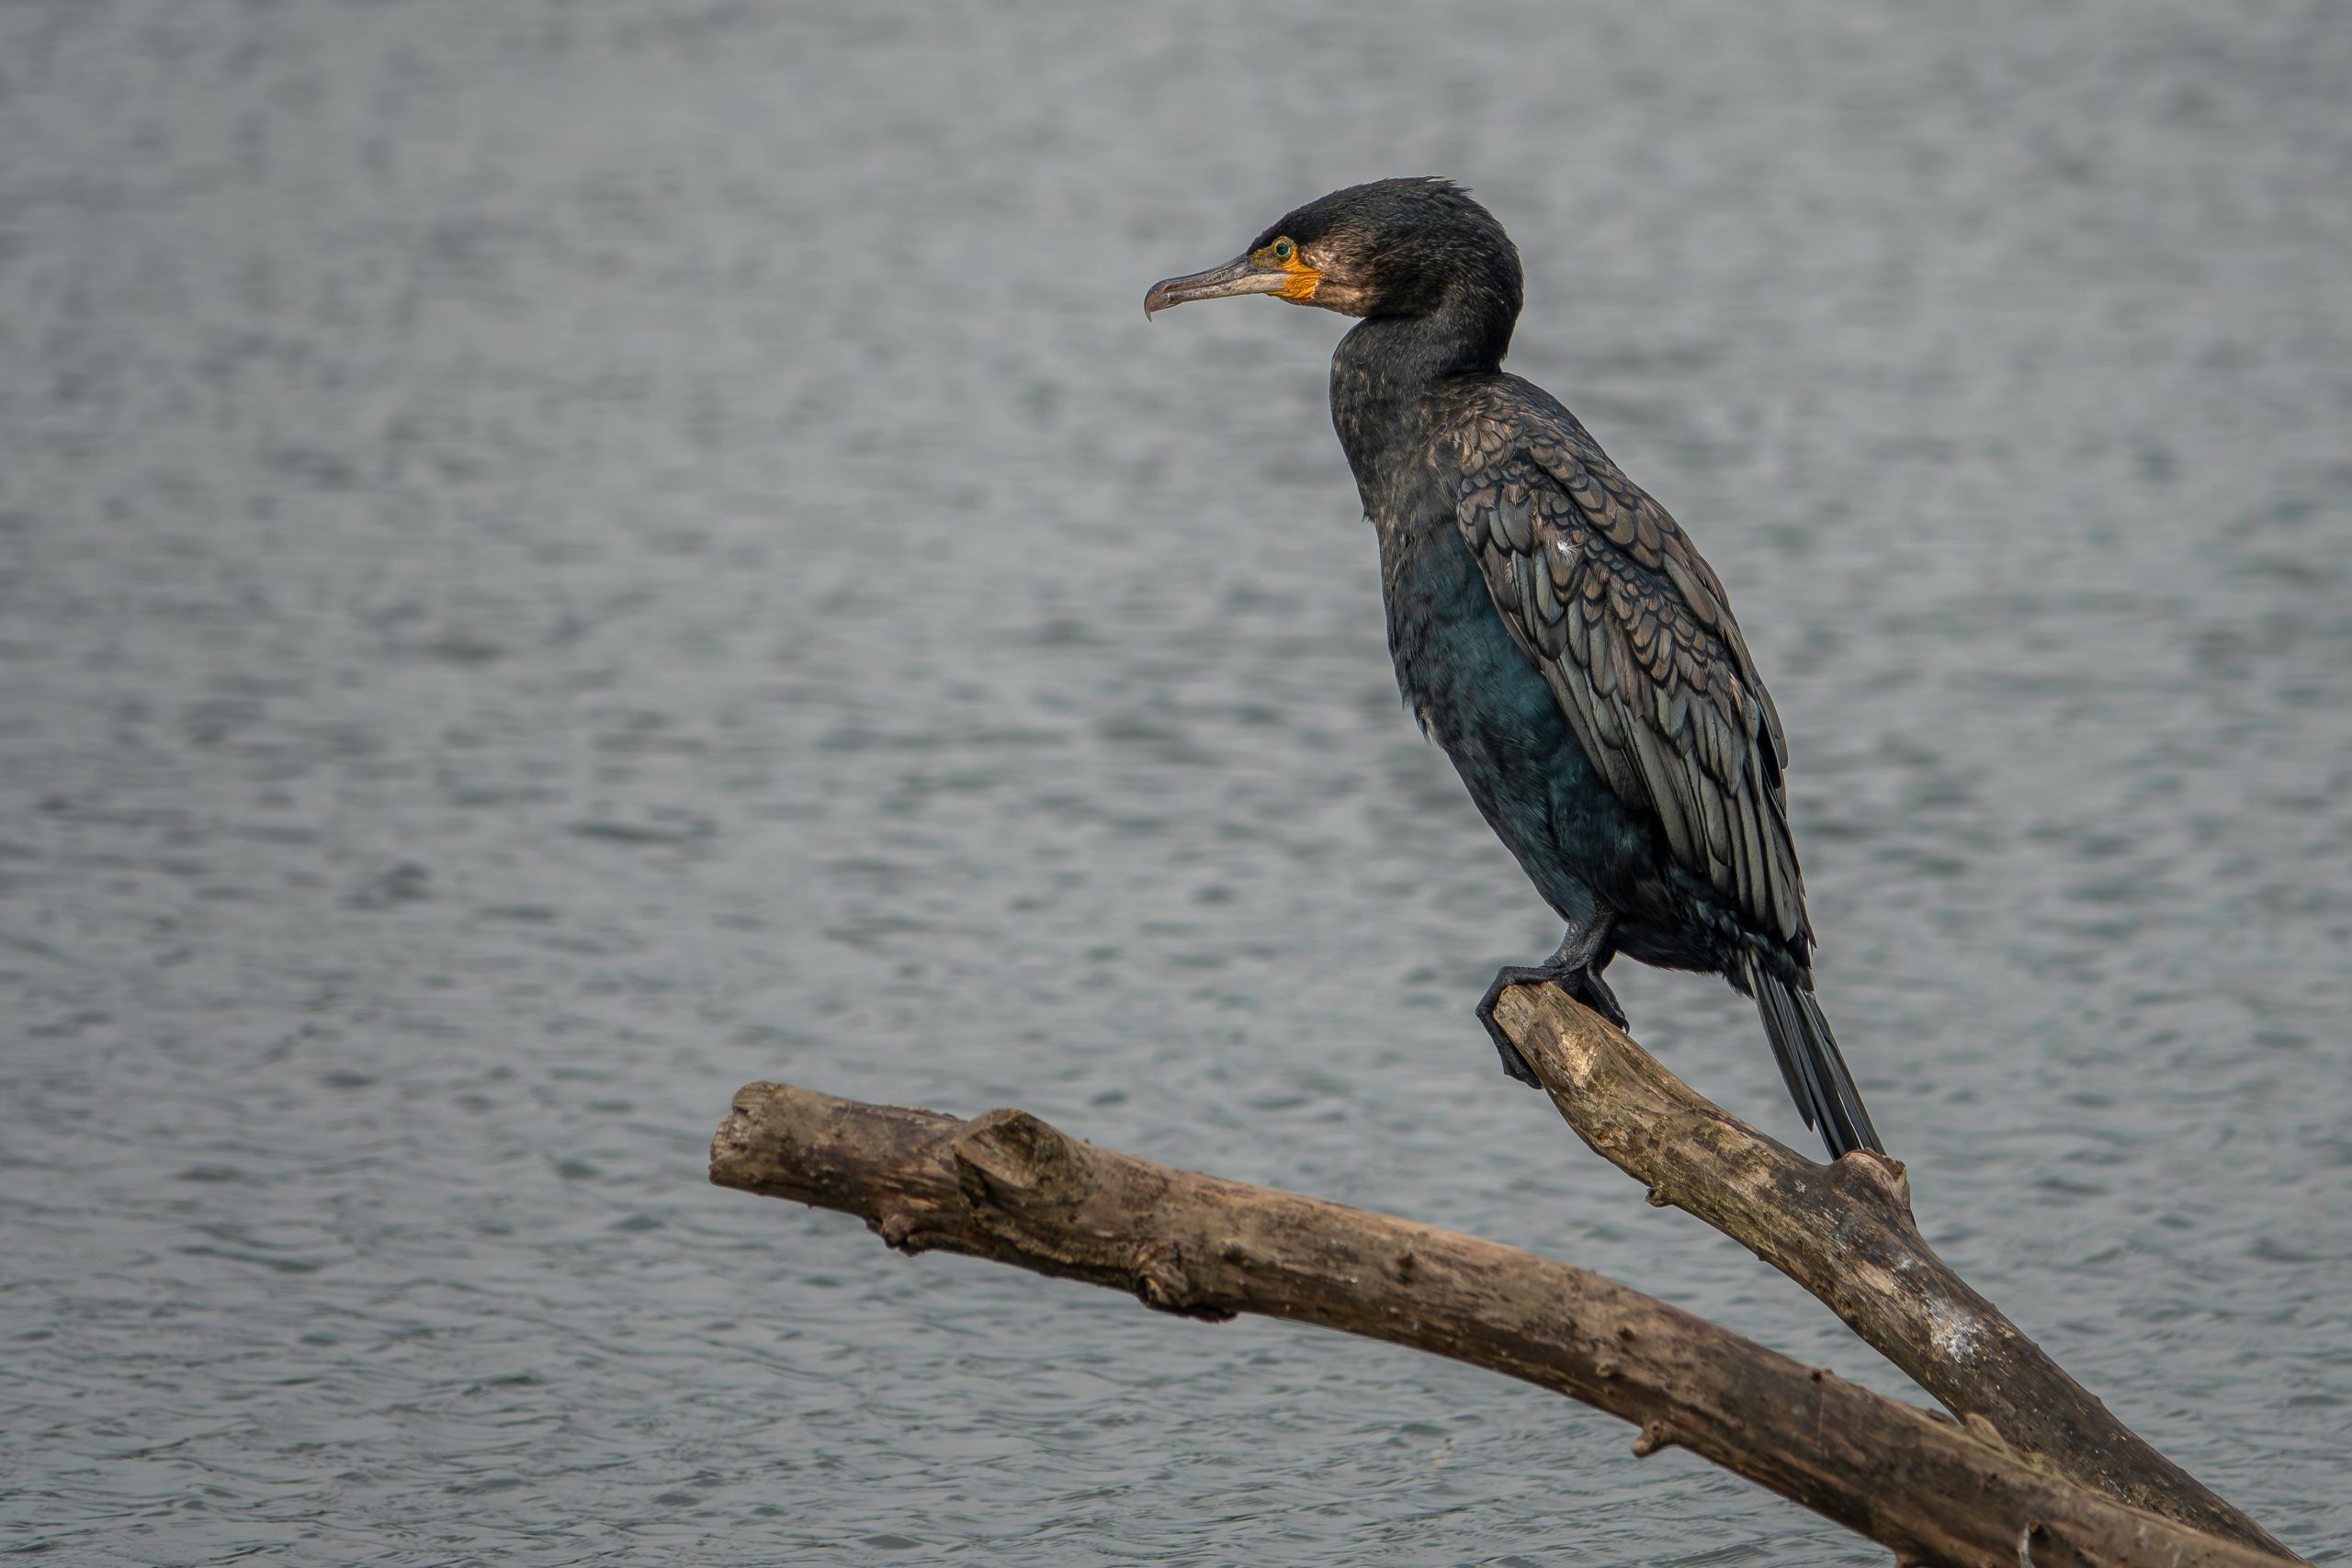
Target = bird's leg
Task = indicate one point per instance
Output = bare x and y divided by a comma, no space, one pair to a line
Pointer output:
1581,958
1576,968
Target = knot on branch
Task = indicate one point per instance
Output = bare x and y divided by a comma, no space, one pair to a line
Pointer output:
1655,1434
1163,1285
1013,1154
1881,1180
1984,1431
908,1228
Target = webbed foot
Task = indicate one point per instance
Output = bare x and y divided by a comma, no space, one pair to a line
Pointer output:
1576,970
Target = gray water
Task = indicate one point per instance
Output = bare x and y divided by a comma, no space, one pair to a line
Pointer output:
563,558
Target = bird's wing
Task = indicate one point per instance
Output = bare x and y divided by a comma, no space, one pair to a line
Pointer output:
1633,635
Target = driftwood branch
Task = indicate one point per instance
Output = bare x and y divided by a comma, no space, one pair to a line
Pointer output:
1845,1233
1006,1186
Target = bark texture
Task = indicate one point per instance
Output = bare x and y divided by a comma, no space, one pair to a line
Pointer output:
1008,1187
1845,1233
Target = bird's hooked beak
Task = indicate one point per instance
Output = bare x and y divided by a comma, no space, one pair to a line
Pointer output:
1242,275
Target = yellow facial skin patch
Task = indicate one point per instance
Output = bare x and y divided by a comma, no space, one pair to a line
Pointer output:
1303,278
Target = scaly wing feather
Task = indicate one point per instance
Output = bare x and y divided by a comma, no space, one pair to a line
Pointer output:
1632,631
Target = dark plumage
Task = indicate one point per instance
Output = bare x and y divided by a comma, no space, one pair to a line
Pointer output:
1552,628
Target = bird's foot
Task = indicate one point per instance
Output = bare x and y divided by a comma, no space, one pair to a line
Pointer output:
1578,981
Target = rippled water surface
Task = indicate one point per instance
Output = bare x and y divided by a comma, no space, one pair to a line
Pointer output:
556,559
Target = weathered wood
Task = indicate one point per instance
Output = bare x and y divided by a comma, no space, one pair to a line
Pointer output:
1845,1233
1008,1187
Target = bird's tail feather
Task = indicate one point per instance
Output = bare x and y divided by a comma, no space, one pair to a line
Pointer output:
1811,1065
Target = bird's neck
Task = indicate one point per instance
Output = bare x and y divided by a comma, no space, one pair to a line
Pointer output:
1383,369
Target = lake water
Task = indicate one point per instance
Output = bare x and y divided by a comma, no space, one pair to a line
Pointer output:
556,559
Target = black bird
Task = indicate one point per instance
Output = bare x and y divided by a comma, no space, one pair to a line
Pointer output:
1552,628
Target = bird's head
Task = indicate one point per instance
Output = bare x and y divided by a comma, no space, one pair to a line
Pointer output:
1409,247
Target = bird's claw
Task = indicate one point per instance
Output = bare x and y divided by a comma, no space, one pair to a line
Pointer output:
1514,1063
1593,992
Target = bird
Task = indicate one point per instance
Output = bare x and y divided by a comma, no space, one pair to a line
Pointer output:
1553,630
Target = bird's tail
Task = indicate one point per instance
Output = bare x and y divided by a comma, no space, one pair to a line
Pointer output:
1810,1062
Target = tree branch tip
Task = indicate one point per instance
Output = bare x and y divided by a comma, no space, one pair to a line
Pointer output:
757,1090
733,1134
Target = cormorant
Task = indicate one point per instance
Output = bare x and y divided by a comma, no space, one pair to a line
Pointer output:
1552,628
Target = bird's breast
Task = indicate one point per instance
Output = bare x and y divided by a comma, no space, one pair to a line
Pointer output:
1473,690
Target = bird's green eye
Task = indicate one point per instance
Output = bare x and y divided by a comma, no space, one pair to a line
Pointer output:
1284,250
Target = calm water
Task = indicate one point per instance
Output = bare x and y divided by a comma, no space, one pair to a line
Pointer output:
560,557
